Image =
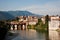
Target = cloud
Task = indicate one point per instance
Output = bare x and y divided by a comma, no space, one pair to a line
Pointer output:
42,10
50,8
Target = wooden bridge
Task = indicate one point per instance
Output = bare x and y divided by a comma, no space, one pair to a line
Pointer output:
17,25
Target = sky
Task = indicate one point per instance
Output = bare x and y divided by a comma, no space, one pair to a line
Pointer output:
40,7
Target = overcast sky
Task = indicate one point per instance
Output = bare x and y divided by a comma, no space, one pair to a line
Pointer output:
42,7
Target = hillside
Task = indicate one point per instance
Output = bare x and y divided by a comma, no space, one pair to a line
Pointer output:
5,15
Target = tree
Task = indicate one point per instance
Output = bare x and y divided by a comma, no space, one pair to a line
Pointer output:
3,30
46,18
46,22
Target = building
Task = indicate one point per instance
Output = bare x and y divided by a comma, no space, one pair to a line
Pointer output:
54,22
32,20
43,19
22,22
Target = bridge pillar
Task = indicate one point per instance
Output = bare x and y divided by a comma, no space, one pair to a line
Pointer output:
26,26
15,26
11,27
19,27
23,27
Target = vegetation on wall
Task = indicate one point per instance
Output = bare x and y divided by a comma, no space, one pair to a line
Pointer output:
40,26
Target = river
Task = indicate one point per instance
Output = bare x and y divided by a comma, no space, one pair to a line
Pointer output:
54,35
30,35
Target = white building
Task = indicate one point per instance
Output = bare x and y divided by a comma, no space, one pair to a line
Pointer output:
32,23
43,20
54,23
32,20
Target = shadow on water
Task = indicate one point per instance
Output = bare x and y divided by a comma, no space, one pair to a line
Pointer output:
44,32
3,30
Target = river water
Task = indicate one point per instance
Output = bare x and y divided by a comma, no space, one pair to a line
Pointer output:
30,35
54,35
35,35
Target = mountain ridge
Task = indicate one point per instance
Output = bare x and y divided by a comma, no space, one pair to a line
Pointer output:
12,14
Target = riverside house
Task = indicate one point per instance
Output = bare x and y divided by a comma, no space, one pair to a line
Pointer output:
54,23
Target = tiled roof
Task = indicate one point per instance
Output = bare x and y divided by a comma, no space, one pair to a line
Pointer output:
14,22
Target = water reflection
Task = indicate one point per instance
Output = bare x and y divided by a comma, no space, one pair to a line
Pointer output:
54,35
30,35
